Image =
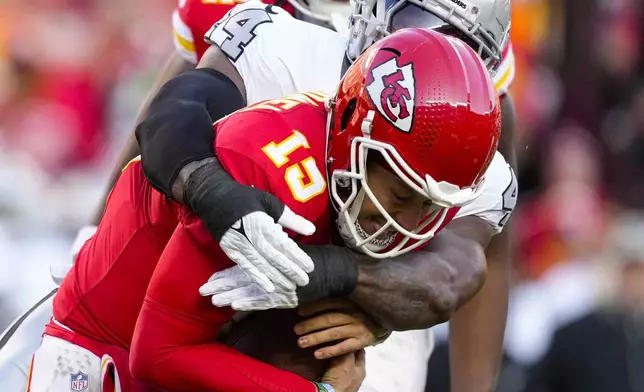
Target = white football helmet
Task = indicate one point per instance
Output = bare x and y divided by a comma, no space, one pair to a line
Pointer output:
483,24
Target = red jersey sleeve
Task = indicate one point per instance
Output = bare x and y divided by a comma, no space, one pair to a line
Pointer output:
174,344
280,146
101,296
190,22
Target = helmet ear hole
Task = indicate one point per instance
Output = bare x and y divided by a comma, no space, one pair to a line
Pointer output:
348,113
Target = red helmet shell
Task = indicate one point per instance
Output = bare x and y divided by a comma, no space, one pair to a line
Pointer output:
434,102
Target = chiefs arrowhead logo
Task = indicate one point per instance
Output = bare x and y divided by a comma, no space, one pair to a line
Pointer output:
393,92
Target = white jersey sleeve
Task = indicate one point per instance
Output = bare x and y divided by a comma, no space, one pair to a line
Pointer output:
496,203
505,74
399,363
183,39
276,54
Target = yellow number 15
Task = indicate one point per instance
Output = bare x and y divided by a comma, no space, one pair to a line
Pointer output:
278,153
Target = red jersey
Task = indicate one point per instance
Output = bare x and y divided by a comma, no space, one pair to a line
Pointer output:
193,18
101,296
174,343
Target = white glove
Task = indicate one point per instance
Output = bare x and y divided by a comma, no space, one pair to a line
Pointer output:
264,251
58,271
231,287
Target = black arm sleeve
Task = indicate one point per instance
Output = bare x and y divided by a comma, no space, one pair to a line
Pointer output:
220,201
335,273
179,126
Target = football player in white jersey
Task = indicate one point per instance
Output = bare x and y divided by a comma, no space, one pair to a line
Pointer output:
316,61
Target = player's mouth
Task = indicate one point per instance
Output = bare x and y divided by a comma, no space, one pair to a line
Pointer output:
383,240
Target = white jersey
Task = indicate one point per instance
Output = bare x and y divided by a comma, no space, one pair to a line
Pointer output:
499,196
276,54
399,363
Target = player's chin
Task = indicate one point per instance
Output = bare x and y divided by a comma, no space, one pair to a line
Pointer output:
268,336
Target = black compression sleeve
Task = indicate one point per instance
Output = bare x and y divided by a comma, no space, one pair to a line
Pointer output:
220,201
179,126
335,273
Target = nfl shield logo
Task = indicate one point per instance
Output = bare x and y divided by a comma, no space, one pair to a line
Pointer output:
78,381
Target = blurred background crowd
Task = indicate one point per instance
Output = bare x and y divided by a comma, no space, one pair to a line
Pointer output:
74,72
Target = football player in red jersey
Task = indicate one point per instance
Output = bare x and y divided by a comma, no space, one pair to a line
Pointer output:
392,159
195,15
190,22
476,330
97,304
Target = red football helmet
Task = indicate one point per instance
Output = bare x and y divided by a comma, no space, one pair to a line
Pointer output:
426,103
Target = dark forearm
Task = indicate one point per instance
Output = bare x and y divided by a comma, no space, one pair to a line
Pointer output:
394,295
395,292
421,289
177,137
413,291
477,329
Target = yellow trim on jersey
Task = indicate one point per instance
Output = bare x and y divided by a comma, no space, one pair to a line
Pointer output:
105,362
135,159
183,40
505,74
278,152
501,84
31,371
185,44
304,192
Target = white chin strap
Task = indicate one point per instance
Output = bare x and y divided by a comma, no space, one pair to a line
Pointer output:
346,220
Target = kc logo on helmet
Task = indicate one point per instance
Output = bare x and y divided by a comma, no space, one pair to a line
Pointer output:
393,92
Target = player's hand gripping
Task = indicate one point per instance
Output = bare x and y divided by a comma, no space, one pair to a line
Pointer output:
248,223
345,373
232,287
264,251
333,320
